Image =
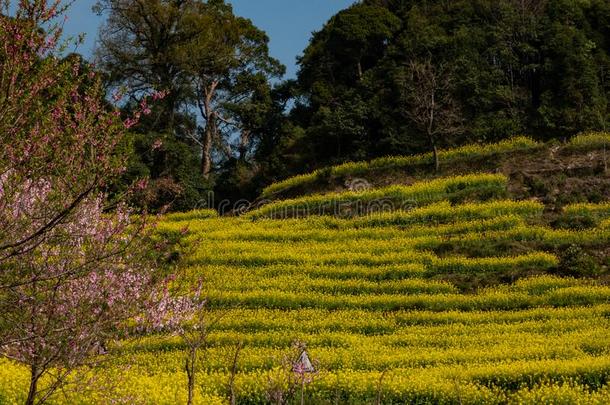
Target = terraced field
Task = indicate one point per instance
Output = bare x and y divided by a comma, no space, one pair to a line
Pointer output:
449,293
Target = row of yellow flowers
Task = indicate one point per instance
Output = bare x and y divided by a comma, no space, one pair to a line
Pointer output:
588,141
403,162
391,198
491,299
555,381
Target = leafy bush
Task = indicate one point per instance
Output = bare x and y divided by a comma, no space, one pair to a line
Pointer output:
590,141
574,261
583,215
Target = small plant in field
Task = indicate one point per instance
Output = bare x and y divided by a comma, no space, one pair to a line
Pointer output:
574,261
183,315
575,221
296,372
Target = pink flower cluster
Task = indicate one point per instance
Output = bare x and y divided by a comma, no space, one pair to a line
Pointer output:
171,312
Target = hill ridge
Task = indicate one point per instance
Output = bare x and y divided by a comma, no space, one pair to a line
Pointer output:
522,159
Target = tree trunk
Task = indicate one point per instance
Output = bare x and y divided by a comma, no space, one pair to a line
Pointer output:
243,144
434,152
605,160
171,115
206,109
190,373
232,397
206,153
34,376
431,136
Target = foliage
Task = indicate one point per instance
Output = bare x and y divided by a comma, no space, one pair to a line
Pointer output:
594,140
62,301
535,67
598,211
168,164
216,69
71,274
583,215
370,297
229,64
58,139
378,298
485,70
574,261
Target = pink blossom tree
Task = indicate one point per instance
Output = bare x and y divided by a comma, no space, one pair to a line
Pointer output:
78,289
72,273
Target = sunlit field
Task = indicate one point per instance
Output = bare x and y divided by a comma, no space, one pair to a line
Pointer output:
382,303
295,202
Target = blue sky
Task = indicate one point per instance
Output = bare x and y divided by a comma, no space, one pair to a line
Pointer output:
289,23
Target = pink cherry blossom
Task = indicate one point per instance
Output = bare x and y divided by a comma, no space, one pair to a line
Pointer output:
73,273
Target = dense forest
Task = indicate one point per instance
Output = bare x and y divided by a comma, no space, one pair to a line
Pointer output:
383,77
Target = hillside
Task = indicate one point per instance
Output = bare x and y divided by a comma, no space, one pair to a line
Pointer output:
556,173
483,284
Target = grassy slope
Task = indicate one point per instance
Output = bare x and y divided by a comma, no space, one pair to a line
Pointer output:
454,301
556,173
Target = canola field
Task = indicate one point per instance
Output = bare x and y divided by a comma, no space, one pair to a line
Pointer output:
379,301
586,142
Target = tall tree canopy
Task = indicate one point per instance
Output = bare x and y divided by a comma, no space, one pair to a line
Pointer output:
215,66
539,67
229,64
382,77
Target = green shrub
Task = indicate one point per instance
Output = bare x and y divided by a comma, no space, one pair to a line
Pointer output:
583,215
574,261
576,222
591,140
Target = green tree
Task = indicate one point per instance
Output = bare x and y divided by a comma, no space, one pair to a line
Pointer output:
333,78
539,67
216,67
138,47
138,50
229,63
